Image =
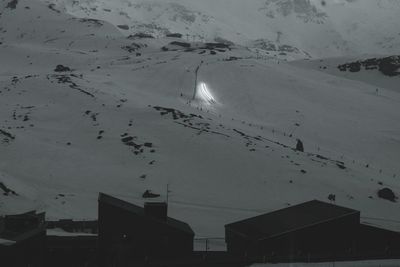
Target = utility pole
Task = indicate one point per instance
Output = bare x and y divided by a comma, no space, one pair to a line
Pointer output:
195,80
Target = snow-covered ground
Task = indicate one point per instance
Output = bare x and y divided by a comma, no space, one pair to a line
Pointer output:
61,232
307,27
122,123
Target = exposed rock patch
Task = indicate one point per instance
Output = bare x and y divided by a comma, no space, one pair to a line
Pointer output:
7,135
141,35
62,68
389,66
7,191
12,4
123,27
388,194
174,35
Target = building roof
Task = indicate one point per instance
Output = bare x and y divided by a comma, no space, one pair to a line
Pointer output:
19,227
179,225
288,219
6,242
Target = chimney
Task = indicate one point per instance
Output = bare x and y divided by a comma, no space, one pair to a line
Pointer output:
156,210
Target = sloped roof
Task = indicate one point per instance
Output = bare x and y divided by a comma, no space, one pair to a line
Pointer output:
28,224
6,242
182,226
288,219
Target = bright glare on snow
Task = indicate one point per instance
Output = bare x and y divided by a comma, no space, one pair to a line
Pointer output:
205,94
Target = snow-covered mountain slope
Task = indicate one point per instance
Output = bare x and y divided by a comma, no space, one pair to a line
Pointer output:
120,118
309,27
366,70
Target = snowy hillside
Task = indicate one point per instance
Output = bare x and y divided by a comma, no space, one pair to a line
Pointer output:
122,115
307,27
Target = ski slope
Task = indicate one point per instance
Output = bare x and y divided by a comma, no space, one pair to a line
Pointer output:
124,122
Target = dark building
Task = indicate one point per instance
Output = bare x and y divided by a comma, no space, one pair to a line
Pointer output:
72,226
310,231
71,243
22,240
128,233
71,250
377,243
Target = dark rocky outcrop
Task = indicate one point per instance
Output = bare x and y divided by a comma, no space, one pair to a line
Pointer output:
132,47
61,68
223,41
388,194
181,44
12,4
53,7
127,139
174,35
7,134
7,191
389,66
341,165
232,58
217,45
123,27
141,35
95,22
299,146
